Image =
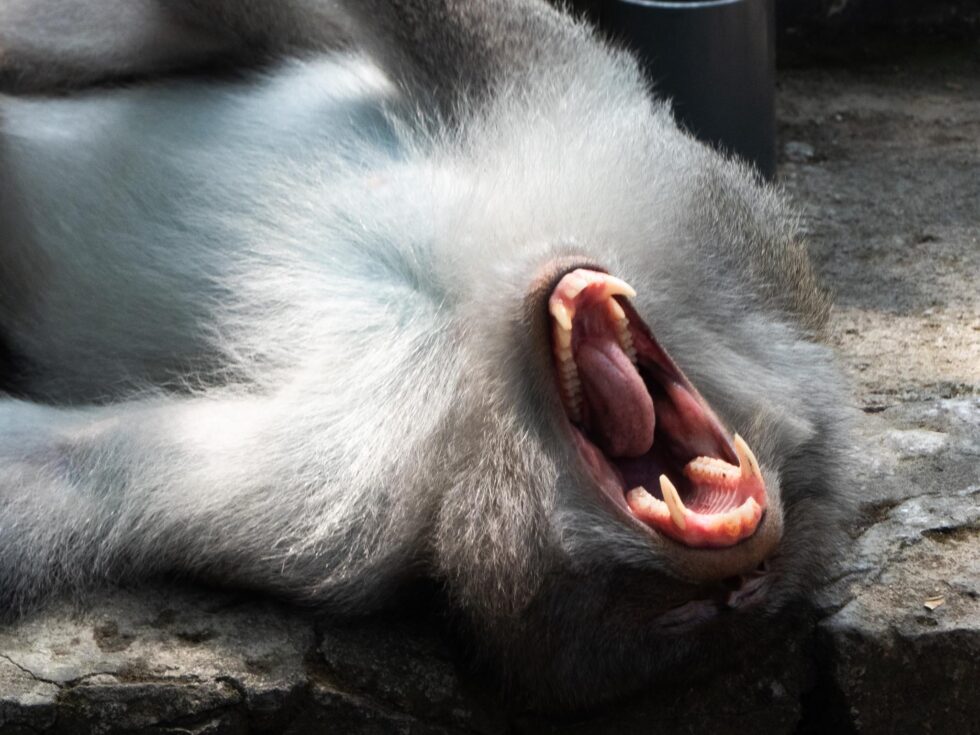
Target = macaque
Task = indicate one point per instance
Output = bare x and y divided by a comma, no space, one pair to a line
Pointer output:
324,299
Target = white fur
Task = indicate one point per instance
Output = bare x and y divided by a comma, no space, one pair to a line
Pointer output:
287,331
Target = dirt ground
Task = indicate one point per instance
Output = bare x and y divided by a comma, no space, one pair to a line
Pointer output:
889,179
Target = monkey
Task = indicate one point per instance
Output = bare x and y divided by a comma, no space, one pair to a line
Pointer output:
322,300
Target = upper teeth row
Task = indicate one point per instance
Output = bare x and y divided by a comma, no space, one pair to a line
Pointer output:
562,301
562,308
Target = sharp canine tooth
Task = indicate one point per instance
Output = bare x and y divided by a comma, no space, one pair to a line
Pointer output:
673,501
618,287
616,310
745,456
575,282
560,312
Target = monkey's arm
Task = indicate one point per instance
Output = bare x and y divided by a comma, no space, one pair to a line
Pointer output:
446,54
450,53
58,44
226,488
48,44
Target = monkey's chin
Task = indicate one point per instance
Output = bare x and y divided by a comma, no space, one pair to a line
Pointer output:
648,438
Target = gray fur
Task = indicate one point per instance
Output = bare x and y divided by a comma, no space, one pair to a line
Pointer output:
288,332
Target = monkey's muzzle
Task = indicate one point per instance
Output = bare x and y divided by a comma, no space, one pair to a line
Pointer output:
651,441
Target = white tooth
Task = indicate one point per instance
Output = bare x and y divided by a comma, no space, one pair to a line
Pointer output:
626,342
642,496
571,387
673,501
560,312
576,281
745,457
618,287
712,467
624,336
564,338
617,311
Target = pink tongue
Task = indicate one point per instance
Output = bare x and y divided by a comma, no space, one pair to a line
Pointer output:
620,411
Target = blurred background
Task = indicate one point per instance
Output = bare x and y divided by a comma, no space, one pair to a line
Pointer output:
716,59
827,27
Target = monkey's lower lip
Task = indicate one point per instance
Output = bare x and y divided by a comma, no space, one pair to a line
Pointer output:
650,440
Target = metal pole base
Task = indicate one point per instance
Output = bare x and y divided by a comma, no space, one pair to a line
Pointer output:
716,60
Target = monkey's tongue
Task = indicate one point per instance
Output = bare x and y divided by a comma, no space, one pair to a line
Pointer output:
620,414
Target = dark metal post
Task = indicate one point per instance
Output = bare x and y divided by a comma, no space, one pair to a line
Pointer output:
716,60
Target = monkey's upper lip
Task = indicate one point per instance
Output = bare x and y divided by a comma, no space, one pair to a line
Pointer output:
651,441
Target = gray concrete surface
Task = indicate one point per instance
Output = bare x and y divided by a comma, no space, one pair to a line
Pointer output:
885,162
891,186
810,18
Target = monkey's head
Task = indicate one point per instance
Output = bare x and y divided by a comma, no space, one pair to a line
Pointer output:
650,456
631,520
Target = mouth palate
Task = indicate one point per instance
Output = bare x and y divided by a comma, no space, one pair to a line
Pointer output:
650,440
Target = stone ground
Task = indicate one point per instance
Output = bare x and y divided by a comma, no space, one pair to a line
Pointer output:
885,161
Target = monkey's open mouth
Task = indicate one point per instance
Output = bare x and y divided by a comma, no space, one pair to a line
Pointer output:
651,441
